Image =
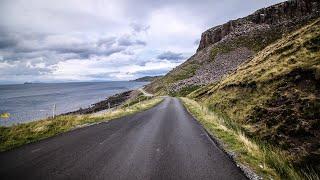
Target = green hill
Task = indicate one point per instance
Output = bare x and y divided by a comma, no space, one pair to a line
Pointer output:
223,48
276,96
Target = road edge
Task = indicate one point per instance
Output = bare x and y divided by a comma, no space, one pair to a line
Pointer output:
250,174
76,127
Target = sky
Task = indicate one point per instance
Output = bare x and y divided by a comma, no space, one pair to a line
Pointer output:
105,40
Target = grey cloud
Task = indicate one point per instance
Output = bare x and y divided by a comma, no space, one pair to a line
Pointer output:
23,51
211,12
102,76
99,29
22,68
6,42
139,27
107,41
168,55
140,42
128,41
21,46
108,52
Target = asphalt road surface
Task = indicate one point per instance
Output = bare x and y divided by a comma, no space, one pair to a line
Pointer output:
164,142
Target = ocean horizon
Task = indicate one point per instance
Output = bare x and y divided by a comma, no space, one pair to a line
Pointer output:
34,101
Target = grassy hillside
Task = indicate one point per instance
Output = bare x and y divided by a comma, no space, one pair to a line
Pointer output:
275,97
224,47
254,42
187,69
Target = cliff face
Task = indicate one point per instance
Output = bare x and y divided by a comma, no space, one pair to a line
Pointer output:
223,48
275,15
275,96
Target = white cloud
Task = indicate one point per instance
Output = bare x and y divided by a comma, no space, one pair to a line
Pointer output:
58,40
115,67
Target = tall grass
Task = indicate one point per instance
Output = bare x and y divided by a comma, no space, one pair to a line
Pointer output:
265,160
17,135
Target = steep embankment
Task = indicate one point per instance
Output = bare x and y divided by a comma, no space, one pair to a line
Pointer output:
223,48
276,96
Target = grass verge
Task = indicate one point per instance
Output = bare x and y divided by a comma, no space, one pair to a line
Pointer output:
266,161
17,135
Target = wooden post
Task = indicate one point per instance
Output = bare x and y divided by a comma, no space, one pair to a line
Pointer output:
108,105
54,111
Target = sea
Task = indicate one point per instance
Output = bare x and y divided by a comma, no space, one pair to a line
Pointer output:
34,101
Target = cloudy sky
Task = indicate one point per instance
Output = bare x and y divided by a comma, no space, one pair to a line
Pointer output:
102,40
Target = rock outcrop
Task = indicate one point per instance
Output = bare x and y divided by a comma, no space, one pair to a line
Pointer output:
223,48
297,10
214,71
275,96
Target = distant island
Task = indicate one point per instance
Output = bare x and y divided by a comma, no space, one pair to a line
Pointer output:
32,82
146,78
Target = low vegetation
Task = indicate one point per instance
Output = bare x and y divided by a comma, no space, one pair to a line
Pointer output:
255,41
265,160
17,135
186,70
184,91
275,98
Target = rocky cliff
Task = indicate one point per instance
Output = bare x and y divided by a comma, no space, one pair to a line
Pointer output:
223,48
285,14
275,97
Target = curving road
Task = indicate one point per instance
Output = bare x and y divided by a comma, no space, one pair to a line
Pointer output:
164,142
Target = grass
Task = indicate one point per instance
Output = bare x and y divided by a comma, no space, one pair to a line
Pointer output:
265,160
262,79
17,135
184,71
184,91
297,50
273,101
139,98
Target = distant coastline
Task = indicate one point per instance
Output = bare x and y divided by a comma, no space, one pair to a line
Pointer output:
37,100
147,78
28,83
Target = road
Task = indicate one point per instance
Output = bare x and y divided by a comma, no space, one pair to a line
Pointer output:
145,93
164,142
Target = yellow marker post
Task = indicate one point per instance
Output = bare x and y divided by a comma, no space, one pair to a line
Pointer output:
5,115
